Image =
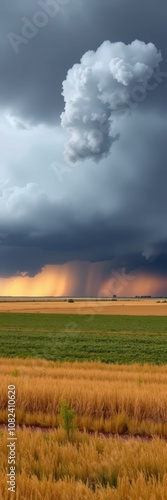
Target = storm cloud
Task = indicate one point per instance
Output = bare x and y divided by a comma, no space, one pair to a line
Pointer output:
111,211
98,89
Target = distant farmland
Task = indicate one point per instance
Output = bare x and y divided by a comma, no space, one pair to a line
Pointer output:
48,305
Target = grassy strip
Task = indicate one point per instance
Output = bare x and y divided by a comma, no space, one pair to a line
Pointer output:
110,339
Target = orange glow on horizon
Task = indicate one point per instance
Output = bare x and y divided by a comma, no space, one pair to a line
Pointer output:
82,279
133,284
51,280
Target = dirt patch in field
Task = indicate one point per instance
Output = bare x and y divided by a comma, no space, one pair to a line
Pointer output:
122,307
103,435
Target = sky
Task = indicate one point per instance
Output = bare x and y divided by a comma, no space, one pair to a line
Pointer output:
83,128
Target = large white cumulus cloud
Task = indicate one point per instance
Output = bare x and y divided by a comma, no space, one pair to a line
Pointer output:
97,88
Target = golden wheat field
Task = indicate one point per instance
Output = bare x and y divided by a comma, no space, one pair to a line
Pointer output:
146,307
86,468
128,402
106,398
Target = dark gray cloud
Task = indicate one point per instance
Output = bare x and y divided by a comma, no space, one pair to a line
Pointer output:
49,212
120,212
31,80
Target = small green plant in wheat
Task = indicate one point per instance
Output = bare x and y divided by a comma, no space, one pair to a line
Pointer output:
139,381
16,373
67,417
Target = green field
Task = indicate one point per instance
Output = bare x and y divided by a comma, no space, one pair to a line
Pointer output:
111,339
